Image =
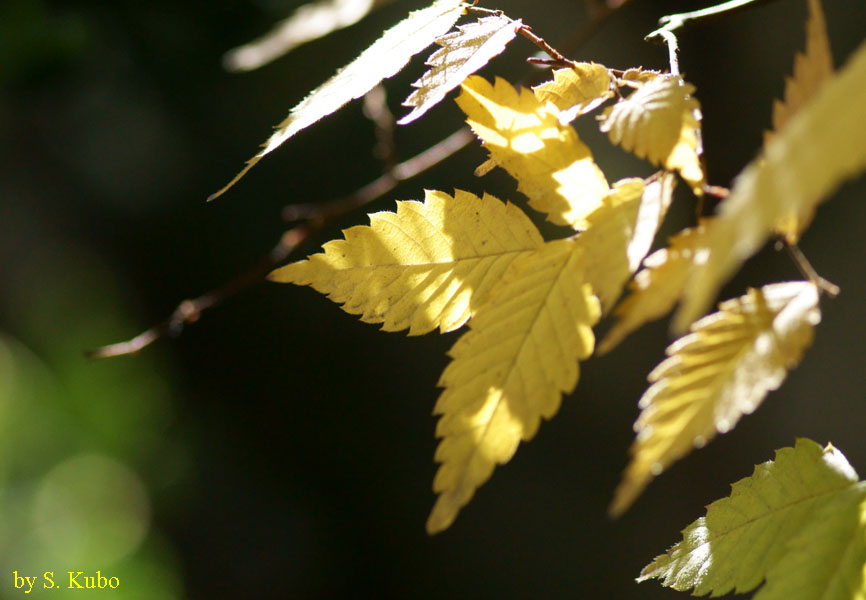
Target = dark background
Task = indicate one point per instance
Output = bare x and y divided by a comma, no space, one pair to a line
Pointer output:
286,448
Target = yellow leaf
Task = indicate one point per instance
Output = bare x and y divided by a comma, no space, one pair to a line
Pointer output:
811,70
639,76
383,59
576,91
722,370
823,145
309,22
524,136
429,265
510,370
621,232
661,123
462,53
656,288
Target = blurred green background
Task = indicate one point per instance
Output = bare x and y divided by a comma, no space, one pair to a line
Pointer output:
280,448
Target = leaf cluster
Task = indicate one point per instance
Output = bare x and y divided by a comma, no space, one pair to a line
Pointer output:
530,304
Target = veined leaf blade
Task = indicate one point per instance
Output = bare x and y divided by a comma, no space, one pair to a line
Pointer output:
426,266
510,370
553,168
823,145
383,59
754,533
461,54
722,370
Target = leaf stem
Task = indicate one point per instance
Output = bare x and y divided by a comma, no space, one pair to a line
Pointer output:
809,272
671,23
526,31
674,22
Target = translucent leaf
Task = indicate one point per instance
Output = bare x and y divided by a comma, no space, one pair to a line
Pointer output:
811,70
524,136
823,145
797,521
383,59
429,265
621,232
510,370
661,123
309,22
716,374
576,91
462,53
656,288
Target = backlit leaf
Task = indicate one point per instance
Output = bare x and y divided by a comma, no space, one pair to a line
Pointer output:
383,59
811,70
823,145
656,288
722,370
524,136
798,521
309,22
429,265
660,122
621,232
462,53
577,90
509,370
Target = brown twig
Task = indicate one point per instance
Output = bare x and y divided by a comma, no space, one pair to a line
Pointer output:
599,13
809,272
317,217
189,311
384,184
376,109
526,31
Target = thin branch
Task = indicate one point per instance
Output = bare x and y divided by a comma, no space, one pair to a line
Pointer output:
384,184
376,109
318,217
189,311
670,39
809,272
599,13
526,31
671,23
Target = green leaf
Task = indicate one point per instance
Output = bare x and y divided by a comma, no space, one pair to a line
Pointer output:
797,521
462,53
383,59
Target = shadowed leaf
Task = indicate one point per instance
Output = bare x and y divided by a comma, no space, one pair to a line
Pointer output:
462,53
